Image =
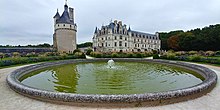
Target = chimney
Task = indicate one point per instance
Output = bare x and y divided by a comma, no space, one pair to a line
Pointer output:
71,14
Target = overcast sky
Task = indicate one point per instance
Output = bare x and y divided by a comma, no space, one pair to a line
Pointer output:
25,22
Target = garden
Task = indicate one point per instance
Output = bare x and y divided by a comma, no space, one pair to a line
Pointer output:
16,58
210,57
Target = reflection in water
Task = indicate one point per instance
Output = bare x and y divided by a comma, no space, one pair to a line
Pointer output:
123,78
65,79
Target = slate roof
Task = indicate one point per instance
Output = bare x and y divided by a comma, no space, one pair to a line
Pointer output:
57,15
112,26
141,33
65,18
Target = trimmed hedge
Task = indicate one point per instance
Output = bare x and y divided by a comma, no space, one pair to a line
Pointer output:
192,58
121,55
27,60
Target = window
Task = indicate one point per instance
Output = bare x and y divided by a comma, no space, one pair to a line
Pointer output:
105,38
58,25
120,43
115,44
125,38
102,45
115,37
70,26
106,45
125,44
102,39
120,37
64,25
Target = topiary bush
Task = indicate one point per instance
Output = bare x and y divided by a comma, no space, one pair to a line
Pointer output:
209,53
88,52
196,58
217,53
156,56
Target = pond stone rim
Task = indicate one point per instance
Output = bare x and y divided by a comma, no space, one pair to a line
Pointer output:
208,84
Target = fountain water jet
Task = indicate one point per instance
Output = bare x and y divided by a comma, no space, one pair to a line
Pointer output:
111,63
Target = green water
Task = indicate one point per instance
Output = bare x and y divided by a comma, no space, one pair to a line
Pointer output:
123,78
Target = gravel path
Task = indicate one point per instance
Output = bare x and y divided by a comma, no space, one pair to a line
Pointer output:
10,100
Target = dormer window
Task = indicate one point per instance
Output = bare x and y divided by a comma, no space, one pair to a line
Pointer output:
120,37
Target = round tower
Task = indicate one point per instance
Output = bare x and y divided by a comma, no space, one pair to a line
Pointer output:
65,31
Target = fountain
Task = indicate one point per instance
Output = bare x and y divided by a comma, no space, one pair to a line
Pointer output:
134,81
111,63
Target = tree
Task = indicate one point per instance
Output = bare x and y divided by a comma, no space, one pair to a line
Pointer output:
173,42
204,39
87,44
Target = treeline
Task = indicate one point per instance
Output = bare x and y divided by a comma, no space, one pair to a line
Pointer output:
87,44
207,38
45,45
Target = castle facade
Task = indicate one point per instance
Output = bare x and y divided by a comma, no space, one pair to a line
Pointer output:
115,37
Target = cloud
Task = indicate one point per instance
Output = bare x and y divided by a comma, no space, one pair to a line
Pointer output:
30,21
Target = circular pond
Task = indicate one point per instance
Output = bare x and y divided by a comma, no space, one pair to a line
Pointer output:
122,78
125,81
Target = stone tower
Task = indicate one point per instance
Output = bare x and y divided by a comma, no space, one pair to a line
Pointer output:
64,37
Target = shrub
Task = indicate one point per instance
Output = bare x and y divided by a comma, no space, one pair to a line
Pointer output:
192,52
202,53
171,56
180,53
51,54
209,53
196,58
147,54
170,51
88,52
155,51
114,55
76,50
139,55
32,54
63,55
16,54
156,56
96,54
130,55
79,55
217,53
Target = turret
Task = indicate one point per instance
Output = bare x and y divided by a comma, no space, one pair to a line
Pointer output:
56,17
66,7
129,31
